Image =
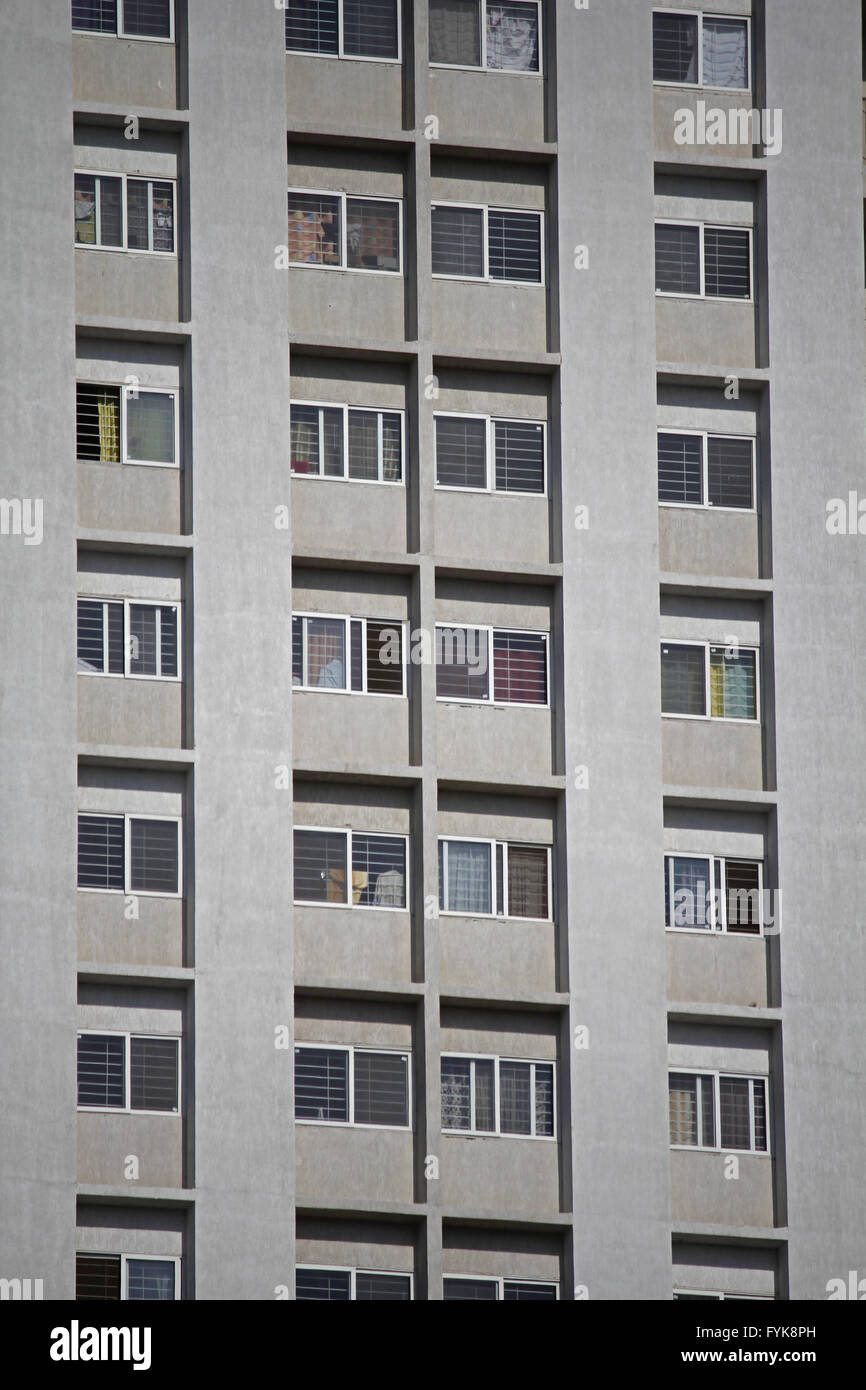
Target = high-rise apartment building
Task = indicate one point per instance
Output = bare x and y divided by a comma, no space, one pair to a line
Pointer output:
432,603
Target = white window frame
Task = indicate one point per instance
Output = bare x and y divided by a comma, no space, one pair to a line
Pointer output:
701,15
344,266
494,897
487,278
347,690
128,603
500,1280
378,410
128,393
127,817
150,180
489,629
705,436
716,1077
716,718
351,1049
710,1294
355,907
355,1270
157,1259
497,1132
490,422
126,1108
353,58
482,66
714,926
702,227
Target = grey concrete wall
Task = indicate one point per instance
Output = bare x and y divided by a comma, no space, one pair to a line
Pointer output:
711,542
717,968
130,497
126,73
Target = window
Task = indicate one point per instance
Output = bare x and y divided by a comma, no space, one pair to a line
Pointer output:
340,441
108,1278
467,445
379,868
350,1285
480,34
356,655
691,49
455,1289
344,28
129,854
495,1095
119,637
352,1086
489,878
691,669
714,1111
341,232
481,243
697,469
121,1071
131,19
694,261
121,213
713,893
126,424
714,1295
466,656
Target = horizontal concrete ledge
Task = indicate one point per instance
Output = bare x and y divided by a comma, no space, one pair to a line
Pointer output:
710,374
541,786
353,772
354,989
505,1220
140,542
451,566
697,1234
733,1014
158,759
714,585
451,355
723,166
329,346
131,1196
719,798
532,152
100,972
375,1211
392,561
132,330
532,1001
455,568
110,114
383,138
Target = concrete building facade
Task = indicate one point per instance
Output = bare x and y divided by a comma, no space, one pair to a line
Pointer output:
499,338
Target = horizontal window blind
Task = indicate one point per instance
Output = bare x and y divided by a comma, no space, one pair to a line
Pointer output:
729,472
101,1070
675,48
520,667
147,18
372,234
154,1073
513,1291
727,263
470,1290
321,1084
312,26
683,680
725,45
150,427
461,451
512,37
462,663
743,896
519,455
458,241
681,468
100,852
381,1088
97,419
154,861
733,688
323,1285
96,16
150,1279
314,228
527,881
382,1287
100,636
378,870
97,1277
370,28
320,866
515,246
455,32
678,259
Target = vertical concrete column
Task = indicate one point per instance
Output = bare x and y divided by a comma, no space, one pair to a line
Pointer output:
242,602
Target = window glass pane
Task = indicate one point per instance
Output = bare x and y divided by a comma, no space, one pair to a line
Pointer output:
372,235
678,259
476,1290
683,1107
314,228
733,690
515,246
455,32
304,439
729,471
456,1093
392,448
100,1070
381,1089
469,882
515,1098
320,866
323,1285
692,905
137,205
727,263
543,1099
743,896
100,852
356,654
725,49
520,667
98,423
706,1087
378,870
153,1073
681,468
168,641
675,48
297,651
97,16
485,1096
379,1287
364,445
311,26
142,639
759,1093
461,452
326,652
515,1291
162,195
462,663
85,209
370,28
457,241
683,680
147,18
150,428
527,881
154,856
97,1277
734,1105
91,640
512,37
321,1084
519,447
384,658
150,1279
